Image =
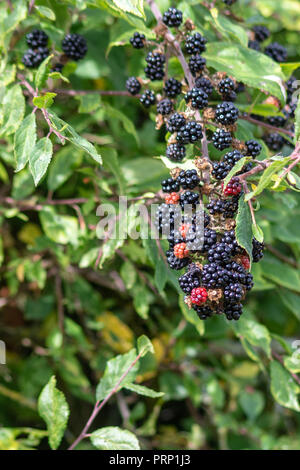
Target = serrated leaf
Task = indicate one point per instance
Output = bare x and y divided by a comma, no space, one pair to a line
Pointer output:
142,390
40,159
24,141
54,410
135,7
44,101
283,387
257,335
243,229
13,107
114,438
129,126
229,30
266,177
42,72
59,228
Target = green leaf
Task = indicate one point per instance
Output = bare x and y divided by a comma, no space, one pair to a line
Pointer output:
191,316
59,228
291,301
297,122
110,161
114,370
42,72
144,346
292,363
114,438
45,12
40,158
131,6
54,410
129,126
234,170
283,387
44,101
229,30
243,229
258,233
266,177
24,142
281,273
61,167
142,390
13,110
248,66
88,103
252,403
257,335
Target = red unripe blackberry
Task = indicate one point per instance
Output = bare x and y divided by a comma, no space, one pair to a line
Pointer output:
172,17
172,88
233,188
138,40
195,44
184,229
245,262
181,251
199,295
172,198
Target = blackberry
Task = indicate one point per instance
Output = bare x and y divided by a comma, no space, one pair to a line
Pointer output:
219,253
220,170
221,139
230,240
170,185
237,273
191,279
206,219
199,295
227,113
277,121
253,148
74,46
233,311
189,133
198,98
155,67
257,250
37,38
227,208
195,44
166,218
229,2
33,58
175,122
148,98
277,52
172,17
205,85
226,86
133,86
240,87
196,64
291,86
233,188
231,158
189,198
165,107
58,67
201,240
175,152
188,179
274,141
172,88
233,293
214,276
176,263
249,282
138,40
261,33
255,45
231,97
203,312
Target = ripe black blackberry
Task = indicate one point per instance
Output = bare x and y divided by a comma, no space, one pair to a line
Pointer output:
233,311
249,282
172,88
229,2
291,87
33,58
201,240
277,52
196,64
253,148
214,276
203,312
257,250
148,98
219,253
189,133
277,121
230,240
190,198
233,293
155,68
165,107
188,179
74,46
167,217
176,263
274,141
175,152
175,122
240,87
133,86
172,17
197,97
195,44
226,86
261,33
231,158
205,85
191,279
58,67
255,45
170,185
220,170
227,113
227,208
37,38
221,139
138,40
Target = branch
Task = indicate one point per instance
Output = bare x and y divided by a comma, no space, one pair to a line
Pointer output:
61,91
267,126
282,257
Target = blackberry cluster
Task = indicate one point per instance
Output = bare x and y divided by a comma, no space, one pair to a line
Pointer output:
253,148
34,57
195,44
277,52
191,279
229,2
274,141
221,139
74,46
138,40
255,45
175,152
172,88
227,208
188,179
277,121
197,97
205,85
148,98
257,250
189,198
189,133
233,311
165,107
175,122
220,170
176,263
203,312
214,276
172,17
37,38
170,185
261,33
197,64
227,113
155,68
133,86
226,88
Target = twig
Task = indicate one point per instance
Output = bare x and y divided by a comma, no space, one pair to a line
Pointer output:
267,126
246,190
60,302
282,257
98,92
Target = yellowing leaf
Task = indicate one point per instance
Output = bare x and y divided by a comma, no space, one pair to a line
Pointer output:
116,333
